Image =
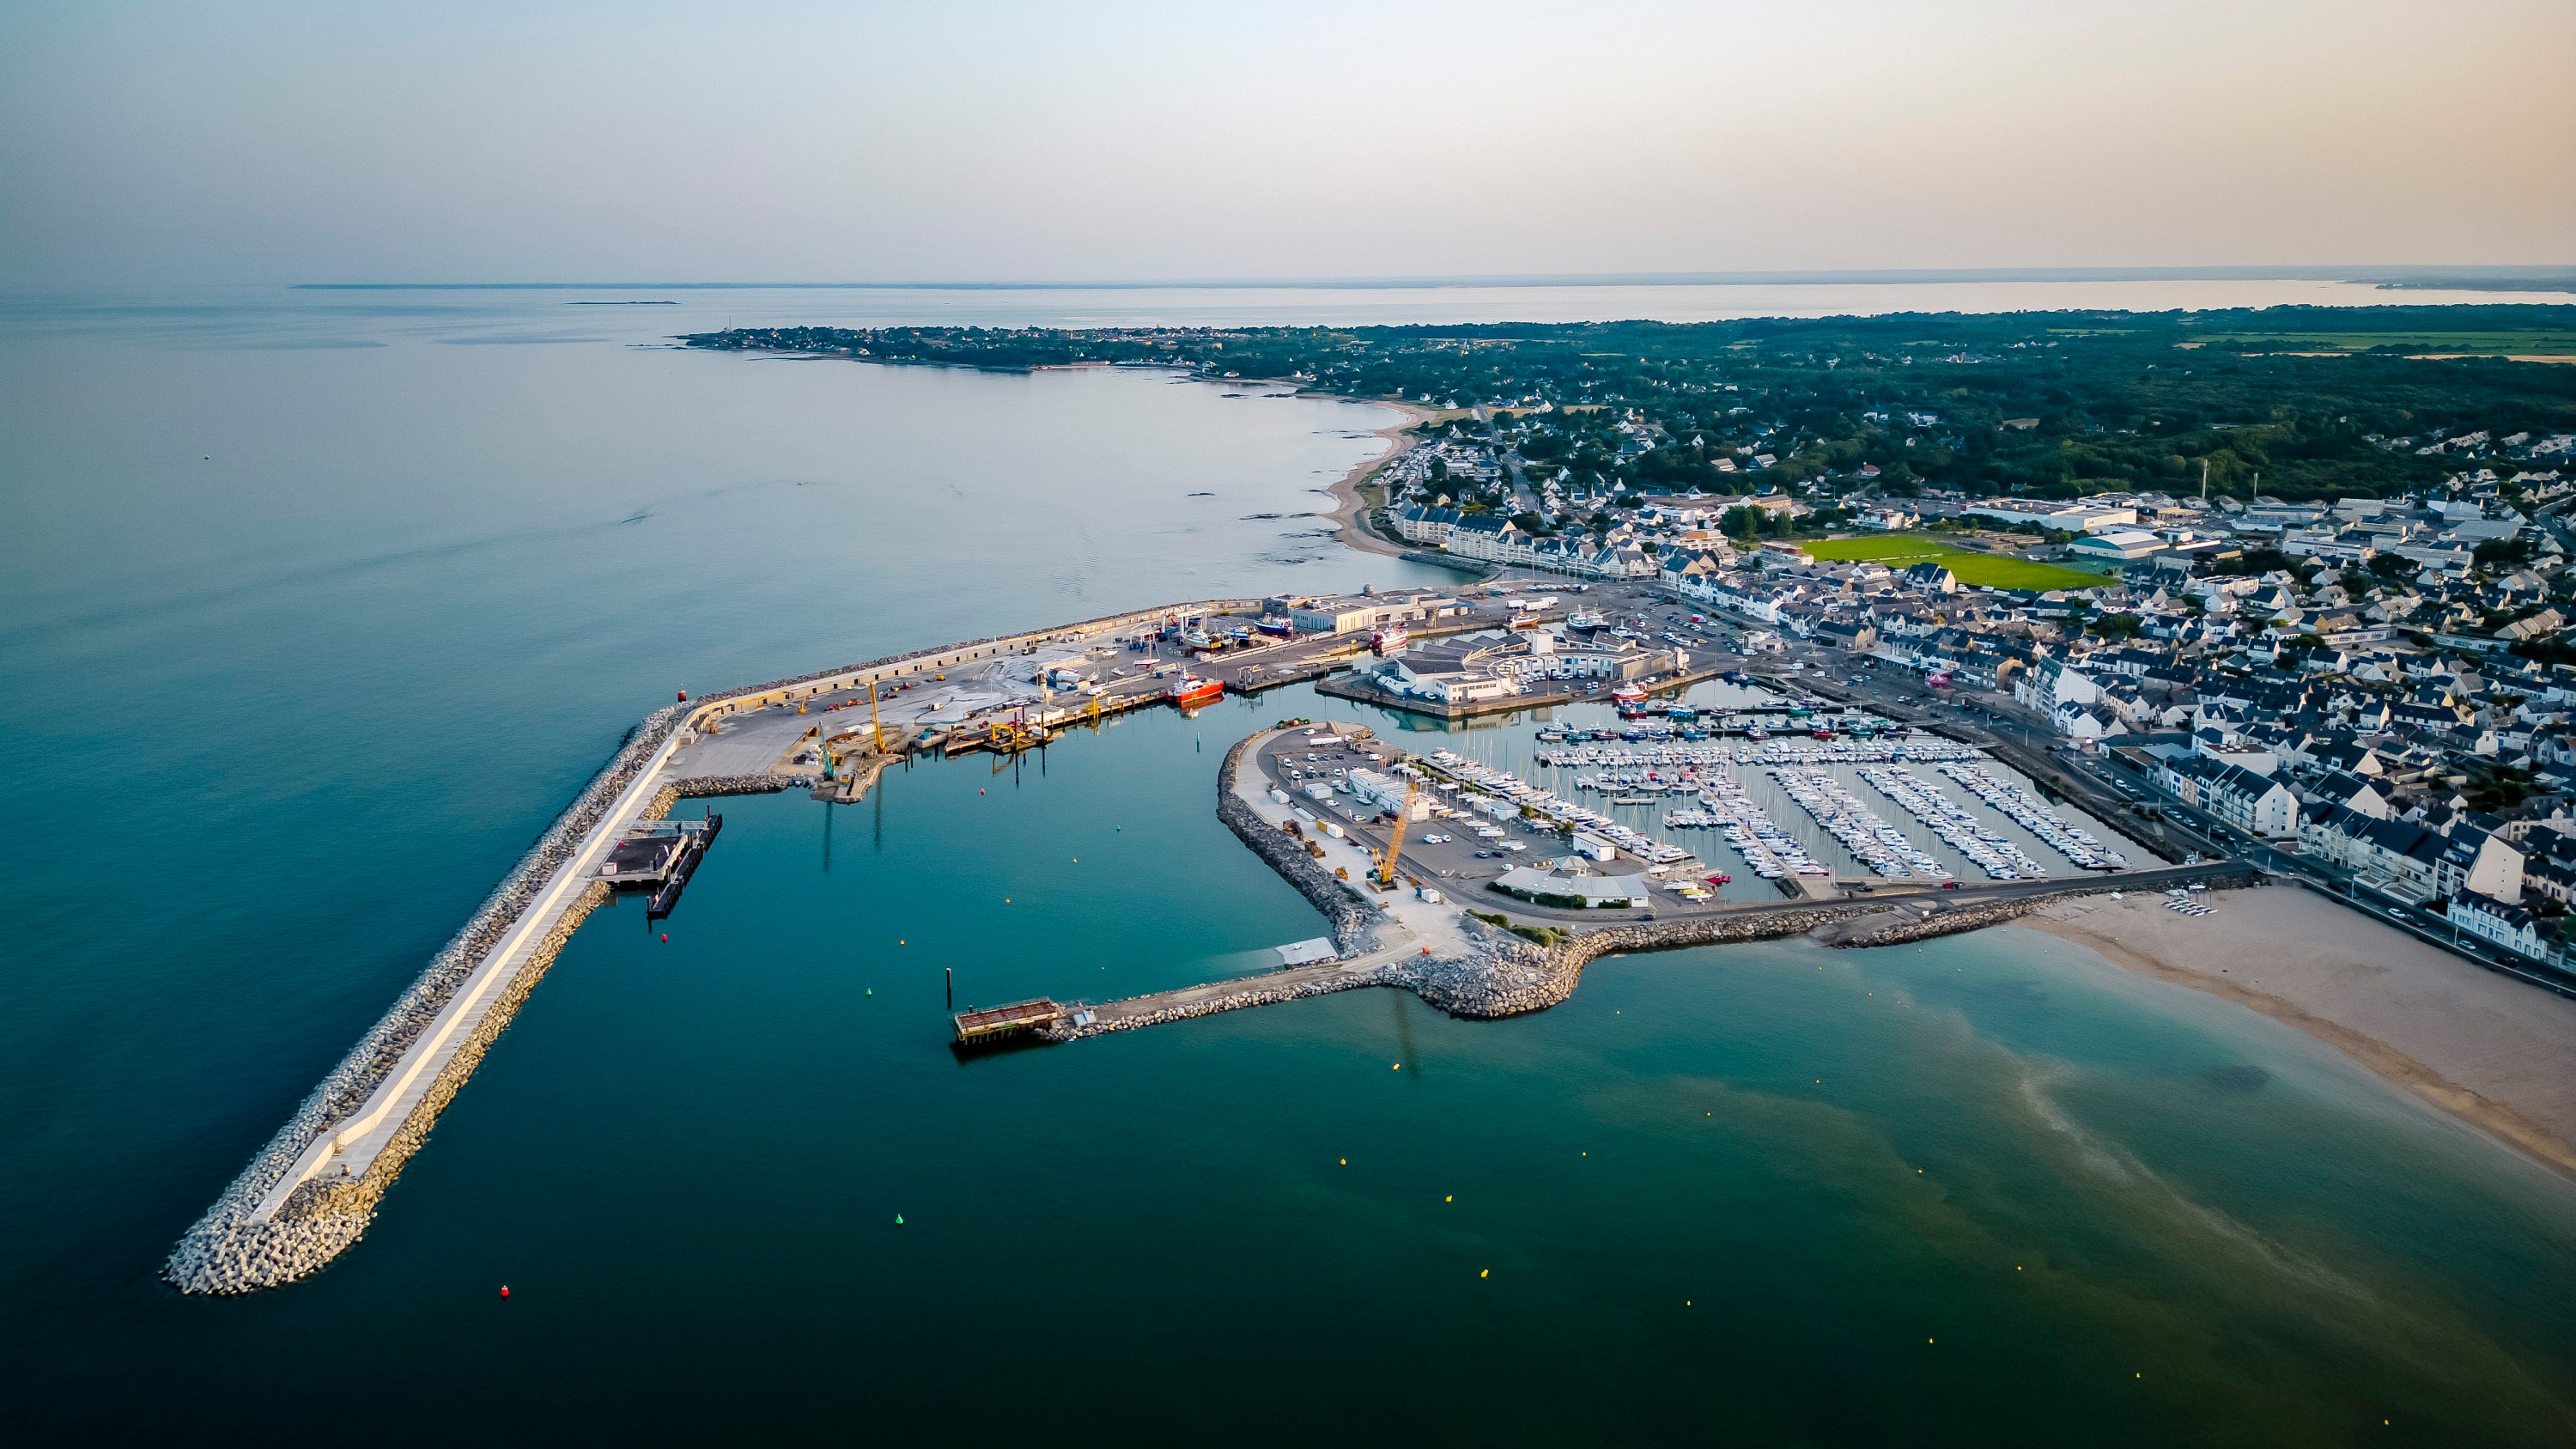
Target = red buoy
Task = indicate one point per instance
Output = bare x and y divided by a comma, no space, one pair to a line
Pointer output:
666,935
505,1290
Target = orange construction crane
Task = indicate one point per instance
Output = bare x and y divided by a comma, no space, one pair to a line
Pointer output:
1395,842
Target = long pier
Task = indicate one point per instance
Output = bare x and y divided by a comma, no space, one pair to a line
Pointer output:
310,1192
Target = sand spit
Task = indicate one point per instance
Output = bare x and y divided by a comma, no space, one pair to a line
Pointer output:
2487,1048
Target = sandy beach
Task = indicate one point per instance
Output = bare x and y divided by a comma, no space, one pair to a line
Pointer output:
2485,1047
1346,493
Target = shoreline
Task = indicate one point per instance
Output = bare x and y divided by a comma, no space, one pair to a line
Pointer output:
1347,510
2486,1051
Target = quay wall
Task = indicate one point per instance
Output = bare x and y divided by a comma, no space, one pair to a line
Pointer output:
235,1248
1532,978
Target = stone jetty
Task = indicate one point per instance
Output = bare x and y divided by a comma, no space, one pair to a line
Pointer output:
312,1190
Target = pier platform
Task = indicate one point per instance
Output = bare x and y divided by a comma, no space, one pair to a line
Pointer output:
996,1022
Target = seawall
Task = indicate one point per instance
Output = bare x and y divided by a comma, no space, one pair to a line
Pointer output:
288,1212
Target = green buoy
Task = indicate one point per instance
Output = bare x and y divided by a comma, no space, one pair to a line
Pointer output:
898,1220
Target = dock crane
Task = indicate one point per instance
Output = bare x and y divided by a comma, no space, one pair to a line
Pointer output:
1395,841
873,725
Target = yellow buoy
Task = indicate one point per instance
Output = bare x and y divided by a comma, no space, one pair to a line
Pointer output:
1346,1162
1453,1197
1399,1066
1484,1272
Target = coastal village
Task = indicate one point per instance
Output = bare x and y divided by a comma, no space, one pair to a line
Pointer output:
2314,601
2376,685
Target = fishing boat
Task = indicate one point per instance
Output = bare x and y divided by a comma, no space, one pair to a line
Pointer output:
1192,691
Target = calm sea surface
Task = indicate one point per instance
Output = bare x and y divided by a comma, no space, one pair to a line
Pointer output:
316,607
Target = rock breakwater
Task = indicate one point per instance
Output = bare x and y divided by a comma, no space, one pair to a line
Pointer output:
1356,923
231,1249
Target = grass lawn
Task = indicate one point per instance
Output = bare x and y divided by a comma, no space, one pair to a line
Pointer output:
1976,570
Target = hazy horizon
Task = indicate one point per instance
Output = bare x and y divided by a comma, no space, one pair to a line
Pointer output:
151,143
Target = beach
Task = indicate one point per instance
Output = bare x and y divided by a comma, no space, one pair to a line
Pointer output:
2489,1049
1346,493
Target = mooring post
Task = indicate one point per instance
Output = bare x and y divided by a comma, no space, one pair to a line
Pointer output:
951,973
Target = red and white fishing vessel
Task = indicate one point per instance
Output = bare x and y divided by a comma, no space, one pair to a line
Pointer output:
1193,691
1627,694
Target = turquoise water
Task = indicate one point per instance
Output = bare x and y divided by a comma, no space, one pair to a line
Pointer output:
277,720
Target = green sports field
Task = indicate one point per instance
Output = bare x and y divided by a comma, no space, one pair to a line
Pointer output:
1977,570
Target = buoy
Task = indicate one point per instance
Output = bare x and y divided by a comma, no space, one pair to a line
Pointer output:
898,1220
1346,1162
979,792
872,991
666,935
505,1290
1484,1272
1399,1066
1453,1197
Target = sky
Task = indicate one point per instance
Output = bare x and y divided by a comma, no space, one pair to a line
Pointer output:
249,142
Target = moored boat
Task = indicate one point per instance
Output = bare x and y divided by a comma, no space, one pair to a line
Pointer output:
1192,691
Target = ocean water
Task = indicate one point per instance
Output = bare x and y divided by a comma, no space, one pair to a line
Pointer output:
306,641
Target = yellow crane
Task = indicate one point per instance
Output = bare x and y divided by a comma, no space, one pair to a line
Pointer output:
873,725
1395,842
